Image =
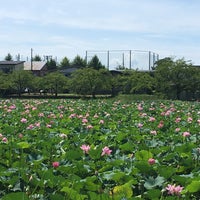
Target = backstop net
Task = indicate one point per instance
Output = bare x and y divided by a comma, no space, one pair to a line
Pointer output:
124,59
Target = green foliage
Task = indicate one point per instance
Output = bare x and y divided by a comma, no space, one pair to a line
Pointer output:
8,57
95,63
21,80
65,63
51,65
78,62
37,58
55,82
172,77
32,146
88,81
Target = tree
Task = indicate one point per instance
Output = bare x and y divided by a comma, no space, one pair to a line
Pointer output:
193,83
55,81
8,57
141,82
37,58
65,63
51,65
95,63
5,83
20,80
171,77
78,62
87,81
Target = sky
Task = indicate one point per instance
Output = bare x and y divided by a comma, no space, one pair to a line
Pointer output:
70,27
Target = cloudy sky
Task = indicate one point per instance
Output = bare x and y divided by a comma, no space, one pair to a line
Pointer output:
70,27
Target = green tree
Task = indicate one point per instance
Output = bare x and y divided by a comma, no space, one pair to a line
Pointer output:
20,80
8,57
37,58
37,84
171,77
95,63
55,81
51,65
65,63
5,83
79,62
142,83
87,81
163,77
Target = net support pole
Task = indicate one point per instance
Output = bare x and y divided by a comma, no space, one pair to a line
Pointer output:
108,60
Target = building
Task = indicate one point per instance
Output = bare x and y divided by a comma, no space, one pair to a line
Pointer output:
10,66
39,68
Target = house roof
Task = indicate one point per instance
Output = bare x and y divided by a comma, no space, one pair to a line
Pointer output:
36,65
4,62
68,70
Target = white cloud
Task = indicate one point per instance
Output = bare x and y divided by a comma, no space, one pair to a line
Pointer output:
70,27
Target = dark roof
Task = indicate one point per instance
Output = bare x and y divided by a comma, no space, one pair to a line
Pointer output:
68,70
11,62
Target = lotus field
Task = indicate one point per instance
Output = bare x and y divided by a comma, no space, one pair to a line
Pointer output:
99,149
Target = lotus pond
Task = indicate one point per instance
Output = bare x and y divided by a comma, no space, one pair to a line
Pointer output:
99,149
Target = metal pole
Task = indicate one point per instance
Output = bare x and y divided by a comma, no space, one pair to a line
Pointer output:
130,60
86,54
157,57
123,60
154,59
149,60
31,59
108,61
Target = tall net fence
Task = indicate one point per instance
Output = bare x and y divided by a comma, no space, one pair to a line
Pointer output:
125,59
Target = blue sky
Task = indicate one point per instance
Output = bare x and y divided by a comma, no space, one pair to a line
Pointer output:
70,27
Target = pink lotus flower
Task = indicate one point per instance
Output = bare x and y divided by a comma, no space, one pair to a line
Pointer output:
12,107
23,120
48,125
101,121
161,124
55,164
140,125
178,119
152,119
151,161
85,148
186,134
95,116
89,126
153,132
4,139
72,115
106,151
84,121
173,189
63,136
189,119
41,115
31,126
177,129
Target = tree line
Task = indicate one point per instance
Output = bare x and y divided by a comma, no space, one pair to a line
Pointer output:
52,64
170,79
